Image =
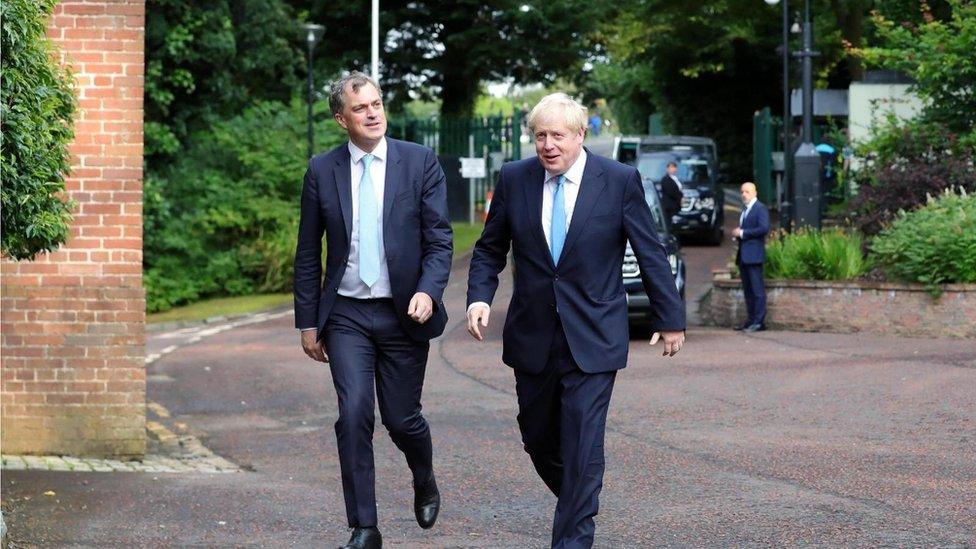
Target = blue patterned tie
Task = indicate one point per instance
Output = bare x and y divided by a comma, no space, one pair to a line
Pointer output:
369,231
557,231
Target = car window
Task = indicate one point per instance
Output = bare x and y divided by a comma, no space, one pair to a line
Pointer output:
650,195
627,153
690,169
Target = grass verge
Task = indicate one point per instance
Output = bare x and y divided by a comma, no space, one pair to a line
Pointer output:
465,235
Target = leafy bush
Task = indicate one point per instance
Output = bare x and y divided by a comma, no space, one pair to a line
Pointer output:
36,112
938,55
907,162
222,220
831,254
932,245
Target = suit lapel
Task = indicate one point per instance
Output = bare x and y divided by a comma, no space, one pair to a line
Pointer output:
343,179
533,198
590,189
392,181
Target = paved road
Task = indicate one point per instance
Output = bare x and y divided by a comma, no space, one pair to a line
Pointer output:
781,438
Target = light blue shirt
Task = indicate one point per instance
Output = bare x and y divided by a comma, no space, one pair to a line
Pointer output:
351,285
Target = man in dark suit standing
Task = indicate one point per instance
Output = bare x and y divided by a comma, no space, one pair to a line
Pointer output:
568,215
382,205
671,194
751,235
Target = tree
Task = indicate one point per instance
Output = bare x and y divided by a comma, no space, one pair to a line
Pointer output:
37,125
446,49
206,62
938,55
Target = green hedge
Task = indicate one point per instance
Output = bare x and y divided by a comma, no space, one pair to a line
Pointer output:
934,244
223,219
831,254
36,112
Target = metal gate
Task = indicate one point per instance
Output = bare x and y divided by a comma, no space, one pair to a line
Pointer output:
495,139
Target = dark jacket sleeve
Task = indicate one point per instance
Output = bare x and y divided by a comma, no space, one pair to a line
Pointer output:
667,309
438,245
491,250
308,255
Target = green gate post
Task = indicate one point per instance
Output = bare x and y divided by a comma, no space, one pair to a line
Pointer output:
762,160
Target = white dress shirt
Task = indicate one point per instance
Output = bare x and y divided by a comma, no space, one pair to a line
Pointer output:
351,285
571,187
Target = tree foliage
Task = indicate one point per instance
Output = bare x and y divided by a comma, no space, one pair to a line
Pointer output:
37,125
705,66
447,49
208,61
938,55
222,219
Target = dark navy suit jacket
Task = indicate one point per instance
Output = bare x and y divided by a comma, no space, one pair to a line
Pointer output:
755,227
416,234
585,292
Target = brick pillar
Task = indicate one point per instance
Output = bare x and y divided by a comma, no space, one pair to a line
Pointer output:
72,330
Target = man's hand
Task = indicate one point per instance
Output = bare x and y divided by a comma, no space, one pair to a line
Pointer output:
421,307
314,348
673,341
478,315
737,232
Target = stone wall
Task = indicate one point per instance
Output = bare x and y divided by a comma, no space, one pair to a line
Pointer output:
844,307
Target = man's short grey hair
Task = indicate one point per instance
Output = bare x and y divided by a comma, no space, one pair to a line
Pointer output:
338,88
561,107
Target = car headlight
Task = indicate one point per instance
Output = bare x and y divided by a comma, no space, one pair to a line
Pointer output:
673,260
706,203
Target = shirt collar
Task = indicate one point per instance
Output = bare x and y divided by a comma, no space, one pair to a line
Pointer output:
379,152
751,202
575,172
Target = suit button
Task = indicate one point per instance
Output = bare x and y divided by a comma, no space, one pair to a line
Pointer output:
556,277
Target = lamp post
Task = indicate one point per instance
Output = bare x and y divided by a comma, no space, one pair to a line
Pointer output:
313,33
786,215
807,159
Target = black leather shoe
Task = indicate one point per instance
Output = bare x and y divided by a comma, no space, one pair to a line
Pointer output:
755,328
426,503
365,538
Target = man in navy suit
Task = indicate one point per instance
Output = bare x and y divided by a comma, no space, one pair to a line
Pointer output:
751,235
568,215
382,205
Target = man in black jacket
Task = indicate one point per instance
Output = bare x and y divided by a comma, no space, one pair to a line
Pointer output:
671,192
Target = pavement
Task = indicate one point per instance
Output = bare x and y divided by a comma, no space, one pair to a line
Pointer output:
768,439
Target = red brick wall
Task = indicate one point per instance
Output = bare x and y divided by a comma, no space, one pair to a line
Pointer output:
72,338
846,307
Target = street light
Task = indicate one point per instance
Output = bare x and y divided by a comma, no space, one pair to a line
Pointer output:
807,160
786,219
313,33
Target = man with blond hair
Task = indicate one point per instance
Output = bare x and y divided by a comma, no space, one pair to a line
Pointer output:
568,215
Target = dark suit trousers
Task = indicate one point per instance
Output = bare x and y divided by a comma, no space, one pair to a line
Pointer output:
754,289
562,417
366,347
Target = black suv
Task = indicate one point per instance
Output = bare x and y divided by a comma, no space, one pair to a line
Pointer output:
701,212
638,304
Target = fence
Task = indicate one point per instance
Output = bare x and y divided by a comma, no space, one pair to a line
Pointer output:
495,139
